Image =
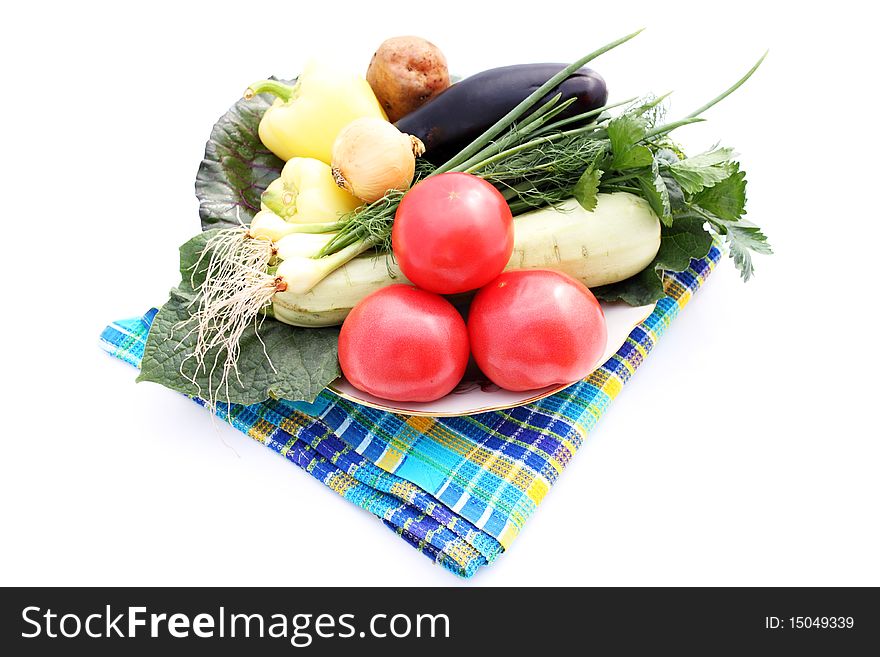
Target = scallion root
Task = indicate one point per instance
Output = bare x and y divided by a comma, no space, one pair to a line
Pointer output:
235,289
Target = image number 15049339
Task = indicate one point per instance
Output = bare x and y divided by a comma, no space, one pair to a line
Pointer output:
809,622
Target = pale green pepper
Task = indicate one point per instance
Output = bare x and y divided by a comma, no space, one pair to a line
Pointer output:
306,193
306,117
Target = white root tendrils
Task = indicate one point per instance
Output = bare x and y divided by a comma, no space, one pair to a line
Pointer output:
235,289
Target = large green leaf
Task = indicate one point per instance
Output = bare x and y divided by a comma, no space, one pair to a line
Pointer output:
236,168
301,361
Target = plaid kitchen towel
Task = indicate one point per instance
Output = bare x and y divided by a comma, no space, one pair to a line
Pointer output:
457,489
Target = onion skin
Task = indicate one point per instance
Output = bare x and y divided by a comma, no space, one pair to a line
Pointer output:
372,157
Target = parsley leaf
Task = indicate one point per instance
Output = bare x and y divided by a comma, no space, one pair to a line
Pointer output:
741,240
685,193
660,189
704,170
677,200
586,189
723,205
655,192
633,158
727,198
743,237
625,132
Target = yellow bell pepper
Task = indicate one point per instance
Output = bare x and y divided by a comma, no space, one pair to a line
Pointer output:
306,117
306,193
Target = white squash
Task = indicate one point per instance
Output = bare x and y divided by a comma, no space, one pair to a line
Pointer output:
618,239
330,301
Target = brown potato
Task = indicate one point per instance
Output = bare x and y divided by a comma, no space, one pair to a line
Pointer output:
405,73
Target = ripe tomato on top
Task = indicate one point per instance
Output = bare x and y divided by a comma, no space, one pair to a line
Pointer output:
453,232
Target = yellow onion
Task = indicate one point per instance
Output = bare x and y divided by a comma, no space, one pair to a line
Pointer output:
372,157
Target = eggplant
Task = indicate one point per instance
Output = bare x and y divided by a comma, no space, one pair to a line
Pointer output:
461,113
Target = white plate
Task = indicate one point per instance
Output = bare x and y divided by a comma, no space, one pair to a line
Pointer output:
480,395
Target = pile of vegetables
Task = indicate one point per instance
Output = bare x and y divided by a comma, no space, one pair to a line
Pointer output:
522,184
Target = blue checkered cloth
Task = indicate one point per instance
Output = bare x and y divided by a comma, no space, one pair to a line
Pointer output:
457,489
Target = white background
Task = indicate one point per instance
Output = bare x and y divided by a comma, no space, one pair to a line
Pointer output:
744,451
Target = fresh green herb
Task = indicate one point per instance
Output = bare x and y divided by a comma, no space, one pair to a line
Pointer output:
654,188
624,134
727,198
704,170
586,189
723,207
742,240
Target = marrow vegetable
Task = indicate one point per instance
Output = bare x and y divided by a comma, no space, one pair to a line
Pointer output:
618,239
330,301
613,242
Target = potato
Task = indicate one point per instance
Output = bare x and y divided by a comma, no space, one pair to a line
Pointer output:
405,73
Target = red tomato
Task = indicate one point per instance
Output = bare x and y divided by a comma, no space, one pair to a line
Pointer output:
534,328
453,232
404,344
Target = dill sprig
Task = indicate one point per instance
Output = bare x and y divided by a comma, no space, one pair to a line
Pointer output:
544,173
369,223
530,171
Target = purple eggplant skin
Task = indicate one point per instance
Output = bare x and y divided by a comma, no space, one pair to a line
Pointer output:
455,117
